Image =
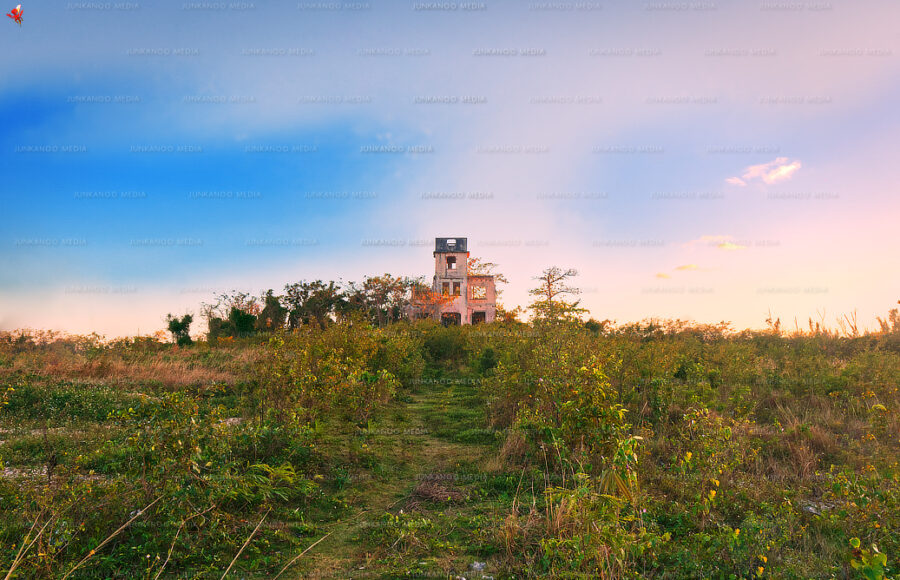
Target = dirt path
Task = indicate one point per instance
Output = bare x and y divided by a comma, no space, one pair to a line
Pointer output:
416,438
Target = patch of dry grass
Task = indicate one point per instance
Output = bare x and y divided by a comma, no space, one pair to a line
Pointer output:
122,361
164,370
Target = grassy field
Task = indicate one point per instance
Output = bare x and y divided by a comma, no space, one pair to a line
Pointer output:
653,450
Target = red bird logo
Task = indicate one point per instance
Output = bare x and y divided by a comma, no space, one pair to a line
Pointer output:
16,14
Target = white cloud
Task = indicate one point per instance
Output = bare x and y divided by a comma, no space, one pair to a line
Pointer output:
769,173
781,172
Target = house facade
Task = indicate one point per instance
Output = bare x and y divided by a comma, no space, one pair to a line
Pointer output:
458,297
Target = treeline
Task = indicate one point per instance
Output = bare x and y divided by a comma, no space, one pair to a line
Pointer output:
380,300
386,299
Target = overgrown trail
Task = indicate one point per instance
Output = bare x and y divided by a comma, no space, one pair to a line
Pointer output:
430,446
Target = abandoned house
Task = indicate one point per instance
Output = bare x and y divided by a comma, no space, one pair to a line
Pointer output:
457,297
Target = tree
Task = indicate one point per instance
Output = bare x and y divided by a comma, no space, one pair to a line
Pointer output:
598,326
233,314
225,302
308,301
504,315
241,323
382,299
273,313
551,294
180,329
892,324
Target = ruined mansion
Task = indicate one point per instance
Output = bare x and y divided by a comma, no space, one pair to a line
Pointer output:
457,296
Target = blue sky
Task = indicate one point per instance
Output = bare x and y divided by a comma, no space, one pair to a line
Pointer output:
703,160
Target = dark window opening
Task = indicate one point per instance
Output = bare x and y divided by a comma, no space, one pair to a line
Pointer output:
451,263
456,288
445,288
451,319
478,317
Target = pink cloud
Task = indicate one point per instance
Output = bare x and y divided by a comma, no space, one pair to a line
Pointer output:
772,172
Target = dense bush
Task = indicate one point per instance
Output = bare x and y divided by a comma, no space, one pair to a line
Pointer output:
701,452
657,449
346,366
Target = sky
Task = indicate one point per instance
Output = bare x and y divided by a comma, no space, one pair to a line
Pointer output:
702,160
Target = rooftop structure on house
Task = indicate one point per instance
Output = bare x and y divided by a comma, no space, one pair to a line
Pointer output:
457,297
